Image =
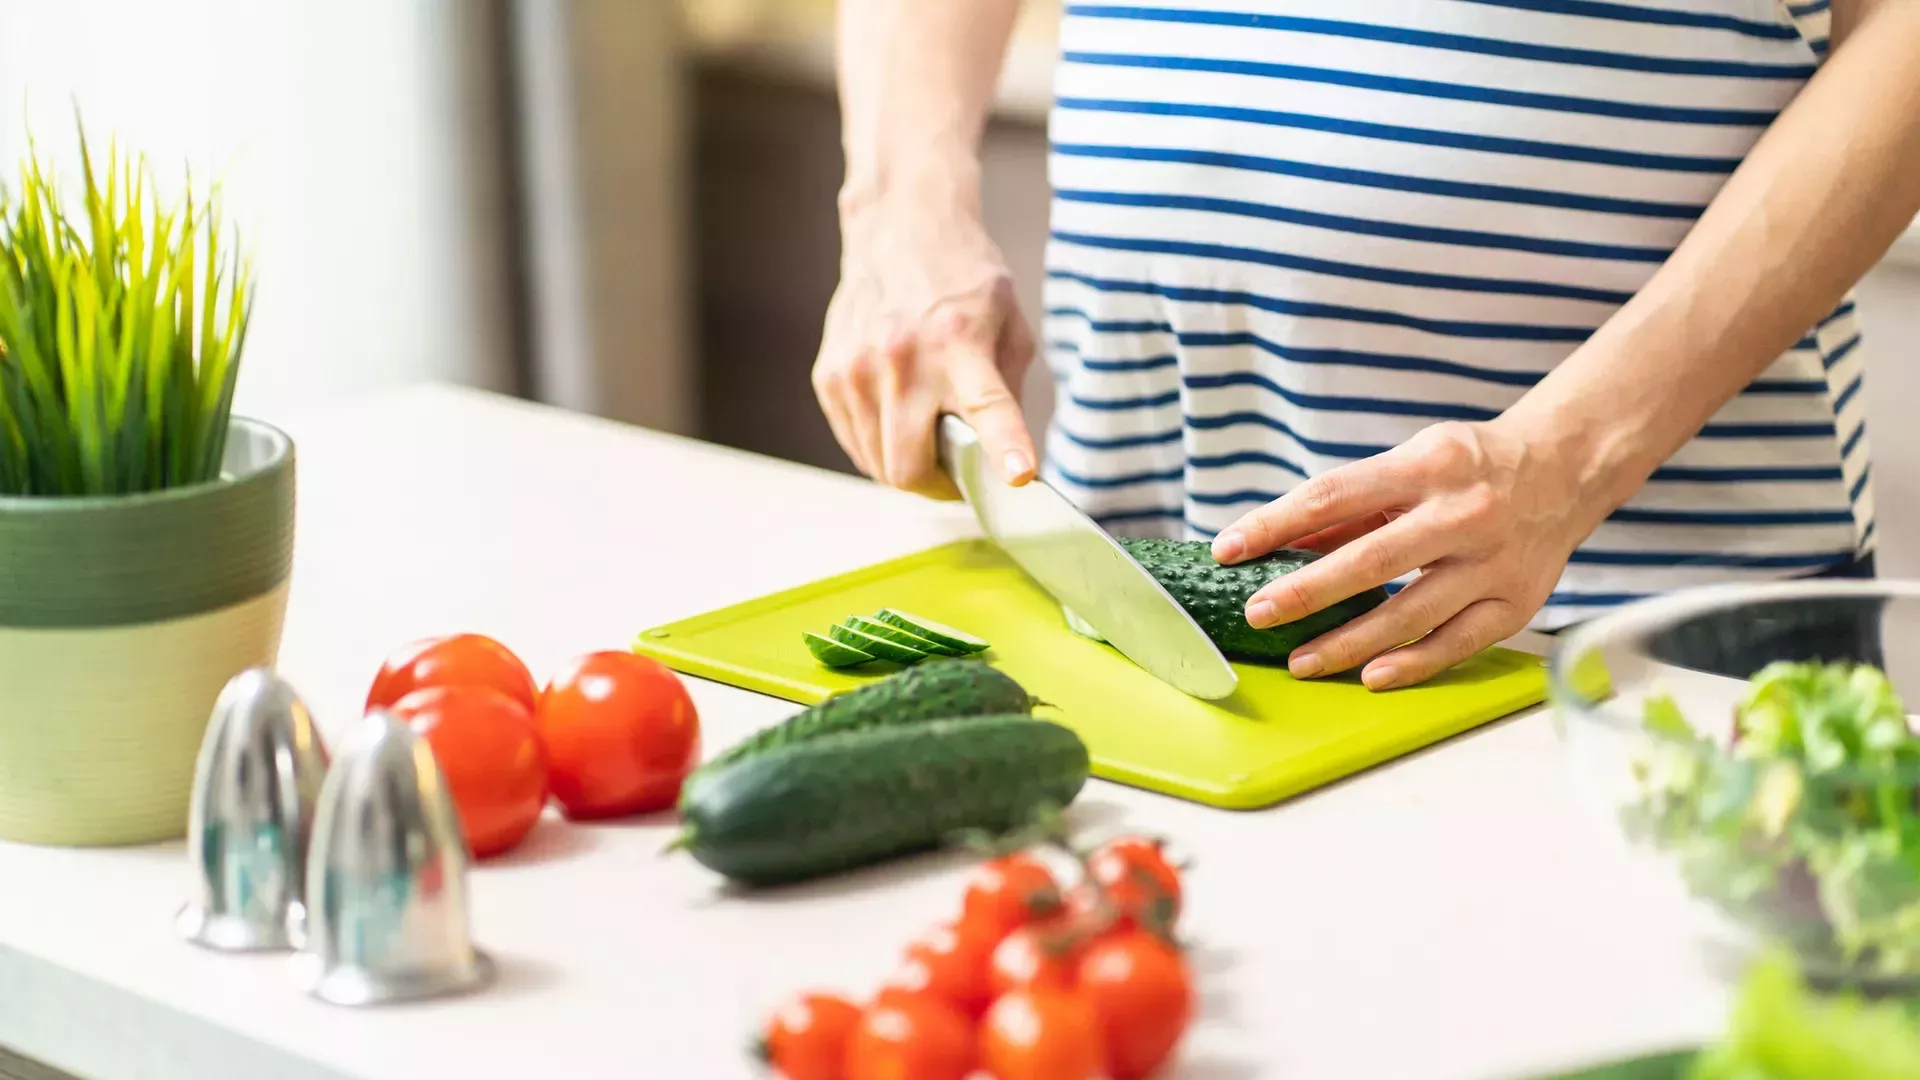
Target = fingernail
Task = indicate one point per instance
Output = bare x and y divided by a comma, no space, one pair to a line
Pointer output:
1228,546
1305,665
1378,678
1017,464
1260,614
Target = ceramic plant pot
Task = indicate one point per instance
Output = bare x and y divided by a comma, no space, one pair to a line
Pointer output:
121,618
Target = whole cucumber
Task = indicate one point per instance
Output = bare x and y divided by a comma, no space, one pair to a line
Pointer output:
932,690
1216,596
824,805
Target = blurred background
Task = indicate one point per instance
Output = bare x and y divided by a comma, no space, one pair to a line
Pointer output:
624,207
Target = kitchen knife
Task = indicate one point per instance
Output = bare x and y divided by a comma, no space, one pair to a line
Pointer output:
1074,560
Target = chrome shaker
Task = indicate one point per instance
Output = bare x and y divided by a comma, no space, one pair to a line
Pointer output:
387,877
261,766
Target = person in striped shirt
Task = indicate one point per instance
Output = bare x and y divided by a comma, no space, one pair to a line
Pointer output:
1525,308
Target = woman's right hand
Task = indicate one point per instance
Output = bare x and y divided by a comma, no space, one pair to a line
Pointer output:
924,322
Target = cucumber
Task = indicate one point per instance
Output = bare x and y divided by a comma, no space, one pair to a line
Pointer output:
936,690
1216,596
937,633
898,636
876,646
826,805
832,653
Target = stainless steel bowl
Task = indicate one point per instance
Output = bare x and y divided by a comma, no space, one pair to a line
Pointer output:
261,766
1797,827
387,877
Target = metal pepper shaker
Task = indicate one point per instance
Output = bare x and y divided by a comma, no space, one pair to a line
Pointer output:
256,784
387,877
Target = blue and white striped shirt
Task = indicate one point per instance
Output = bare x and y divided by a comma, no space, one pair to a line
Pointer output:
1291,233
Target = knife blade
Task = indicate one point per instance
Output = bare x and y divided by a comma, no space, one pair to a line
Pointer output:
1070,556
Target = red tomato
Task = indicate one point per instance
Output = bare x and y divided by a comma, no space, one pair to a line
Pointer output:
459,660
1008,893
913,1037
486,745
950,962
1137,878
1041,1035
1143,994
621,735
1040,956
806,1038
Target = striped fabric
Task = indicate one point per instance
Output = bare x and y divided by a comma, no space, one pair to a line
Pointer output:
1291,233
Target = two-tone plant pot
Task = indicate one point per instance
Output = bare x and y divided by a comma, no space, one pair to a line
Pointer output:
121,618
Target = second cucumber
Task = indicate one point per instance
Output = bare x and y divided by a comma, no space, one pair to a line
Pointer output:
833,803
935,690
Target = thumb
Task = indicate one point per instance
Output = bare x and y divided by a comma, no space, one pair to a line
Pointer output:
979,394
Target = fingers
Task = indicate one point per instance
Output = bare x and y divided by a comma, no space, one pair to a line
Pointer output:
980,395
1408,615
1327,540
860,397
1016,346
1373,559
909,410
1365,487
830,394
1481,625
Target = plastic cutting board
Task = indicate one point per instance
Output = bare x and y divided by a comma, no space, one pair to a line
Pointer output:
1275,738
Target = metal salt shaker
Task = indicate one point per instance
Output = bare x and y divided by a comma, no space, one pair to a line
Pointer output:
258,777
387,877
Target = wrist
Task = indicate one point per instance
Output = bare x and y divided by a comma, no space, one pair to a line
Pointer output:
946,184
1598,457
922,232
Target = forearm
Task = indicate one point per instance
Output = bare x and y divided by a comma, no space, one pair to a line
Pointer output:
1820,199
916,83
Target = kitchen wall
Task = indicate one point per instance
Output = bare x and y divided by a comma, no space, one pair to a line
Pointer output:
355,140
1890,309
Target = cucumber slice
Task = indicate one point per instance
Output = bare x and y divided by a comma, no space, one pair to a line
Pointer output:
937,633
834,654
876,646
1079,625
904,637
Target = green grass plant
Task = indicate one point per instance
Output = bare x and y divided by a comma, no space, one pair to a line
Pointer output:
122,324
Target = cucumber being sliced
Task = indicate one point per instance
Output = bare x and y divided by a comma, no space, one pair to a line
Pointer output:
876,646
938,633
904,637
835,654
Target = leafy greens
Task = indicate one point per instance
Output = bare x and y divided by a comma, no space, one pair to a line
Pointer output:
1805,824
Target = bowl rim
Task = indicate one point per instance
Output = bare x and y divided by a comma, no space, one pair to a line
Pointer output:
280,454
1654,612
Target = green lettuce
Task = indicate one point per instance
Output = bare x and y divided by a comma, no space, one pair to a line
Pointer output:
1780,1030
1804,825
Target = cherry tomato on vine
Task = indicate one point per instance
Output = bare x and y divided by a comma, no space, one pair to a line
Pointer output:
806,1037
950,962
910,1036
1037,957
1041,1035
1007,893
1142,992
1138,880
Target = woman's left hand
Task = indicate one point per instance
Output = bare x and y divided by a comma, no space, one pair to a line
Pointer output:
1485,512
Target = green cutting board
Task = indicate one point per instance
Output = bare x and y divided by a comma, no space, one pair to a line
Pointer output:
1274,738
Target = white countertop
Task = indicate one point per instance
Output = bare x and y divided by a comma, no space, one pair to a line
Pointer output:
1456,915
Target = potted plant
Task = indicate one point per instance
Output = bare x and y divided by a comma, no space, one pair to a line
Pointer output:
146,534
